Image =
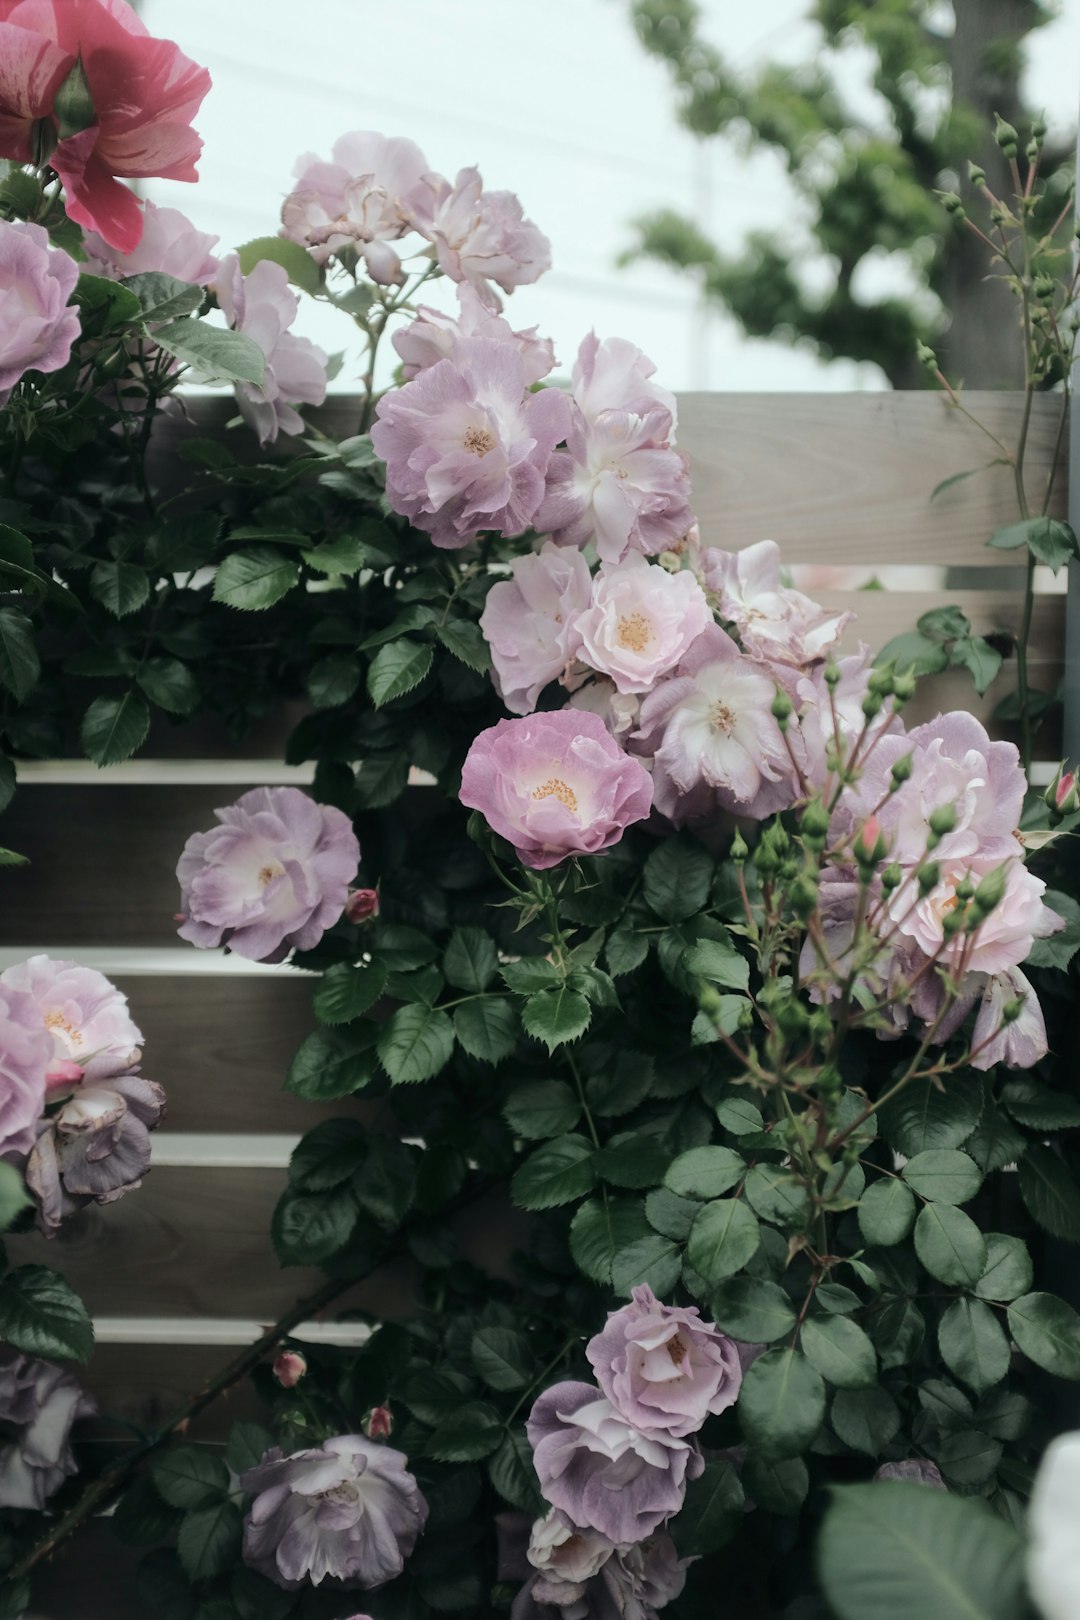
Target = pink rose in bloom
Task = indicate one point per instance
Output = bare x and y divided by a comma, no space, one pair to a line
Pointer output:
91,1031
831,718
143,94
25,1051
479,236
663,1368
466,447
433,336
262,306
711,735
773,620
37,326
273,877
530,622
641,622
1003,939
554,785
616,376
95,1148
357,200
1019,1044
289,1367
169,243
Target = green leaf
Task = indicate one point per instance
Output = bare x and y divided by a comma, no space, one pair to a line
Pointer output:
924,1117
776,1484
776,1195
982,661
346,992
944,1175
247,1446
333,680
752,1309
256,579
542,1108
473,1431
950,1245
781,1403
886,1212
1047,1330
42,1315
633,1159
163,1586
141,1518
487,1028
972,1344
531,974
722,1239
513,1475
1048,539
416,1044
431,1395
895,1549
915,652
163,297
967,1457
105,304
209,1541
669,1214
471,960
20,666
1050,1193
114,728
653,1260
678,876
556,1017
344,554
396,669
404,948
840,1351
191,1477
625,950
329,1065
557,1173
328,1155
295,260
865,1419
170,684
1008,1272
14,1197
719,963
1040,1108
705,1172
307,1228
216,355
501,1357
466,641
600,1230
1059,949
711,1513
121,587
386,1187
739,1116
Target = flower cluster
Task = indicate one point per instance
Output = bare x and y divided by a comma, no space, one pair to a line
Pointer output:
613,1459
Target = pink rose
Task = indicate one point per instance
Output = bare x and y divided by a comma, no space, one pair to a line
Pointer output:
479,236
37,326
1003,939
91,1032
433,336
663,1368
530,622
169,243
641,622
25,1050
357,200
772,620
262,306
554,785
616,376
143,94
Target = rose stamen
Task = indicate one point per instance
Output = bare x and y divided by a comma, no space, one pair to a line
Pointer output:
634,632
478,441
556,788
721,718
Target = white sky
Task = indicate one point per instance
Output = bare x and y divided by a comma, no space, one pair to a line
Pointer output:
553,99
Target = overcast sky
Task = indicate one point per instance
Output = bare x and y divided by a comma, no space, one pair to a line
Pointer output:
553,99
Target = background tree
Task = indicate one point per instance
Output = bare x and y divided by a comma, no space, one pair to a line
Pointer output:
867,186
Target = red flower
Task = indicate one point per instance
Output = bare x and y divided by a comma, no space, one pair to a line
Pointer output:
143,94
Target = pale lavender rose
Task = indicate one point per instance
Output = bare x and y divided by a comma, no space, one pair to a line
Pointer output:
616,376
663,1368
640,623
530,622
39,1402
1019,1044
434,336
91,1030
263,308
37,325
619,483
712,738
832,721
169,243
602,1472
349,1510
773,620
25,1052
565,1558
554,785
479,236
1003,939
357,200
466,446
920,1470
94,1148
273,877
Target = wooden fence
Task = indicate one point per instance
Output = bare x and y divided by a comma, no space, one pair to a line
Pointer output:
182,1270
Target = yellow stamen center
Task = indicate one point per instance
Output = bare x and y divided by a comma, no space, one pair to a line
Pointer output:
56,1020
556,788
634,632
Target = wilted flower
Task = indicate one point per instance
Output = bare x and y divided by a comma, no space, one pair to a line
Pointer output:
289,1367
262,306
530,622
357,200
94,1148
1018,1043
773,620
131,99
1054,1557
91,1030
466,446
25,1052
37,325
349,1510
39,1402
603,1473
554,785
433,336
169,243
663,1368
640,623
274,876
565,1557
479,236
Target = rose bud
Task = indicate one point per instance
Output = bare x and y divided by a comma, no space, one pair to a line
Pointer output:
362,905
379,1424
289,1368
1063,795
